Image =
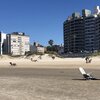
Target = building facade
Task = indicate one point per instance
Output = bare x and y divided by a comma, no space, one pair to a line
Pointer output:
82,33
73,34
17,43
37,48
97,28
89,33
2,43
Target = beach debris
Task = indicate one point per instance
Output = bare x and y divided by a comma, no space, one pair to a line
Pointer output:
86,76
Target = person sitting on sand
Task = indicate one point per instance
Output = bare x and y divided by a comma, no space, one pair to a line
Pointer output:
90,60
87,59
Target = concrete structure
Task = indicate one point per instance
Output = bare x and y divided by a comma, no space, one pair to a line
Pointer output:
89,33
97,10
17,43
82,33
37,48
2,43
73,35
76,15
60,49
86,13
97,30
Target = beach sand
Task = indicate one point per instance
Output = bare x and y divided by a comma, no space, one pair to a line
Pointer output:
48,62
48,79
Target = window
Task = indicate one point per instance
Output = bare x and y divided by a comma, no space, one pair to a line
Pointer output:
13,40
19,39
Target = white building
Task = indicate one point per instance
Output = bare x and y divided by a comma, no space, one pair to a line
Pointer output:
17,43
2,43
97,10
61,50
37,48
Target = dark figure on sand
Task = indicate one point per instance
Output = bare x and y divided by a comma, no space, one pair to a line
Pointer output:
12,64
53,57
88,60
33,60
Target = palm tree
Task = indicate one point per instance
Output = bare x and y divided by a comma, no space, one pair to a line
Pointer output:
50,42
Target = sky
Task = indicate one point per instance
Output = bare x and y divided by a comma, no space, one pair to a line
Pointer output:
42,20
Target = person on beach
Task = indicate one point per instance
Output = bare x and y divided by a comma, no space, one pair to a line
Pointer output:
87,59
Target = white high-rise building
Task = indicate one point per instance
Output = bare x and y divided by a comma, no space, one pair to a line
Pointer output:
2,43
97,10
18,43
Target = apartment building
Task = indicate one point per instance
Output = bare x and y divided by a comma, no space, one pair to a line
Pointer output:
82,32
97,29
89,33
73,34
17,43
2,43
37,48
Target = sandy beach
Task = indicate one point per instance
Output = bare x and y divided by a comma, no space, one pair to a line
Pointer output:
48,62
48,79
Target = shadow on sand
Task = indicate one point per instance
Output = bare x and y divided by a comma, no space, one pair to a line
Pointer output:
85,79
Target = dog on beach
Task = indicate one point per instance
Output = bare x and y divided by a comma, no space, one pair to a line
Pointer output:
33,60
12,64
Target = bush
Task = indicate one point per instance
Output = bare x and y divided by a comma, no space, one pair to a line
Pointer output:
39,53
51,52
96,54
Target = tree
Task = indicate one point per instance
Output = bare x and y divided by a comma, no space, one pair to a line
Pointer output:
50,42
49,48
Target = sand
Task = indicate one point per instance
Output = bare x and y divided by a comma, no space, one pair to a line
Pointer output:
47,84
48,62
48,79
